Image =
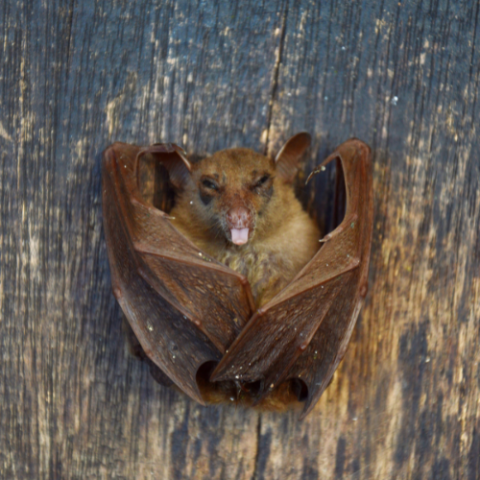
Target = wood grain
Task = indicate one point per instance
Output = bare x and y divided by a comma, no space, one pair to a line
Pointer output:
402,76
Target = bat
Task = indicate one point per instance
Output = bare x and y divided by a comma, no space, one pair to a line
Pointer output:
217,303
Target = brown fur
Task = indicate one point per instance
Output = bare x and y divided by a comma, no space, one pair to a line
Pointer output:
283,238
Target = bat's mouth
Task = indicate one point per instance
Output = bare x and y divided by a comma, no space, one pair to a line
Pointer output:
239,235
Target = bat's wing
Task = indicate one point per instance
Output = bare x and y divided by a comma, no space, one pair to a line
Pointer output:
171,293
303,332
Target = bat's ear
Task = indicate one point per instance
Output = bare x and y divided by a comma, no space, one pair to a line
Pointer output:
288,158
173,158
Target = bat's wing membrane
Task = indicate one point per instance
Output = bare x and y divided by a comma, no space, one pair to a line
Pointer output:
303,332
170,292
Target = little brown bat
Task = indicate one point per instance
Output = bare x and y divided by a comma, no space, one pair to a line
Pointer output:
184,276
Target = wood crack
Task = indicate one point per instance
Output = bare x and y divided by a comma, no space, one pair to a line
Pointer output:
257,456
276,72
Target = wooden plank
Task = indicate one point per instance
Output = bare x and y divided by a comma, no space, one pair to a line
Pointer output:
76,76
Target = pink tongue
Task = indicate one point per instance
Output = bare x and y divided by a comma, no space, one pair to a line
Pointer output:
239,235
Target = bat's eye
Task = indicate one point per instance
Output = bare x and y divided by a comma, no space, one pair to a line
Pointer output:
262,181
209,184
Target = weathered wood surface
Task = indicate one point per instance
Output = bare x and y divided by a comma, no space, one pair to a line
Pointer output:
402,76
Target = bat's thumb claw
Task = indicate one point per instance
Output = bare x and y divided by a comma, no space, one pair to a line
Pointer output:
310,176
319,169
325,239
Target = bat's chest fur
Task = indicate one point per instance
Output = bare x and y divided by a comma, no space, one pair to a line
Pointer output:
266,272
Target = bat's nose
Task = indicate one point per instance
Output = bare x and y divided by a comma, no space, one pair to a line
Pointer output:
239,221
239,217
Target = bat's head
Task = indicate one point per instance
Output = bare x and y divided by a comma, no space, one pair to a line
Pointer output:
239,194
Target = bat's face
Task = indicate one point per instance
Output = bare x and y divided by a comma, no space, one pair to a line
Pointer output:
233,193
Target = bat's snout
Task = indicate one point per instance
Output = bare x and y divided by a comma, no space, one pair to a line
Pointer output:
239,221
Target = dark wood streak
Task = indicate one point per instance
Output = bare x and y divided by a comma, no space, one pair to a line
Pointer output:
402,76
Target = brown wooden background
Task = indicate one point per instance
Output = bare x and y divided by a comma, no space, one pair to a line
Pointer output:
401,75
